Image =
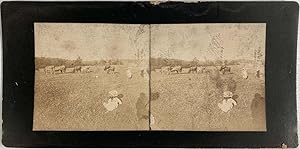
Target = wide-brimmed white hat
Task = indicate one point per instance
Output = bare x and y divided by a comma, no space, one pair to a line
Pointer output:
227,94
113,93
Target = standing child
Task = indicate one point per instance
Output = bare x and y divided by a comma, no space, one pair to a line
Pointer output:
129,73
245,73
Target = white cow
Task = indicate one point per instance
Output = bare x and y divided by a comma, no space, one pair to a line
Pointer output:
176,69
166,70
60,69
86,69
49,69
70,70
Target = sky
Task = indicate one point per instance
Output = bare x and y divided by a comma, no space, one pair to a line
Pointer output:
96,41
90,41
206,41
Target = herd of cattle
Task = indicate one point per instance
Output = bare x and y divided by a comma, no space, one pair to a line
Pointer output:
77,69
194,69
111,69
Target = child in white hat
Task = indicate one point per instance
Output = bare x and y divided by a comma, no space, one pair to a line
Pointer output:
227,102
113,101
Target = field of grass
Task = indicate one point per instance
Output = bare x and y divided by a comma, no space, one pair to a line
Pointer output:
189,102
73,101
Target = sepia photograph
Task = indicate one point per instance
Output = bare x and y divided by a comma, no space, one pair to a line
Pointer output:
202,77
208,77
149,74
91,77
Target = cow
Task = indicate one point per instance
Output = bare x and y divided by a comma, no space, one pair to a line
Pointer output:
208,70
86,69
186,70
165,70
200,69
224,69
77,69
60,69
157,70
49,69
41,70
109,69
193,70
70,70
176,69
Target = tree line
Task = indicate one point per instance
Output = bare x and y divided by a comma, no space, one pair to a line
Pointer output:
157,63
42,62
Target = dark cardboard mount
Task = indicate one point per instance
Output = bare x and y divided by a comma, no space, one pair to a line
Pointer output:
18,66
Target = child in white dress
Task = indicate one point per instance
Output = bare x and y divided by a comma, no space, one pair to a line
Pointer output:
227,102
113,101
129,74
245,73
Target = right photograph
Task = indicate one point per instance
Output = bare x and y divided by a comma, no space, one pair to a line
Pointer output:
208,77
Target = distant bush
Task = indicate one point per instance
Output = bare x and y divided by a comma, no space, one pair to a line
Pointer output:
41,62
157,63
115,62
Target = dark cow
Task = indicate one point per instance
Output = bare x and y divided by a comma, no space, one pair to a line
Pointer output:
193,70
224,69
109,69
77,68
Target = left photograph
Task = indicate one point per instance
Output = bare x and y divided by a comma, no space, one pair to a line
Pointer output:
91,77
